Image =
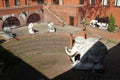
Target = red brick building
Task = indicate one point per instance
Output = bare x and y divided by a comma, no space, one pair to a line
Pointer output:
72,10
61,12
20,12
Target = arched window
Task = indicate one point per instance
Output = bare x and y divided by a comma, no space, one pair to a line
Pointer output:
117,3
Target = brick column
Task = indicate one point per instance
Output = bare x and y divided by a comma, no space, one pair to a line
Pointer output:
71,39
84,31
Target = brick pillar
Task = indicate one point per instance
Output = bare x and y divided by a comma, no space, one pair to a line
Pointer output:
84,31
71,39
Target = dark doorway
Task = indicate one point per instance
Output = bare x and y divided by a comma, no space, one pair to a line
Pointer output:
71,20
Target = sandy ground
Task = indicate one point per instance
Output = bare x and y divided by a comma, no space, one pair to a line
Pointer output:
47,63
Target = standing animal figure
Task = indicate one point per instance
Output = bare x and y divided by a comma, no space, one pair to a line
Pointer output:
30,28
51,27
91,53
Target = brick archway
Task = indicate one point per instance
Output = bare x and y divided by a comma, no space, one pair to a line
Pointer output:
10,22
34,17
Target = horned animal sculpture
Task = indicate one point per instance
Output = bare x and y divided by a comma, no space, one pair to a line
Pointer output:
91,53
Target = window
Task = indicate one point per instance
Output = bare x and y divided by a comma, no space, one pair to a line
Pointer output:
7,3
40,1
104,2
117,2
82,2
17,2
92,2
56,1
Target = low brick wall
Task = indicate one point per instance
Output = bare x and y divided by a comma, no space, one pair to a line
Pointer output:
115,36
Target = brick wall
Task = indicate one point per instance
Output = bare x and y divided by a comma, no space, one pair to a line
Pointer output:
1,4
20,9
65,12
22,3
116,13
104,33
49,17
12,3
71,2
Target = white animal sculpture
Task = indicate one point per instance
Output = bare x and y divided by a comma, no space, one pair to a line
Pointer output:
85,48
51,27
93,23
30,28
80,46
8,30
101,25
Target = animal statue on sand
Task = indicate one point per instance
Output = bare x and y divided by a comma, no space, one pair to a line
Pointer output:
90,52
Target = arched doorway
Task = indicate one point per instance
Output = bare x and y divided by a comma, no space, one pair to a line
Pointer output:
33,18
10,22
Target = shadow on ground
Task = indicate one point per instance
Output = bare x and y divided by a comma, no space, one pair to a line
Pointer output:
13,68
111,69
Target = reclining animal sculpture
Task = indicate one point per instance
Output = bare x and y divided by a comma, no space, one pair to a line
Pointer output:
8,30
91,53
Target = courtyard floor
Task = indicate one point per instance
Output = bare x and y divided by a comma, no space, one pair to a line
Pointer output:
43,58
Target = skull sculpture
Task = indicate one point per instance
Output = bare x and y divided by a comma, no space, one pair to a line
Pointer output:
91,53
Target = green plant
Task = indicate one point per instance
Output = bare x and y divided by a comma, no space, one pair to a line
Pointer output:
111,25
